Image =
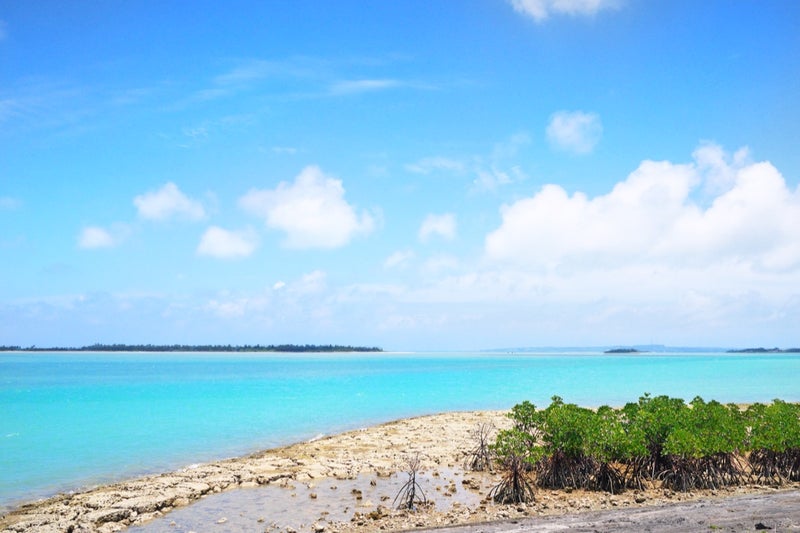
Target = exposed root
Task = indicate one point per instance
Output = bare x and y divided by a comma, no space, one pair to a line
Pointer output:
514,487
480,458
560,471
410,494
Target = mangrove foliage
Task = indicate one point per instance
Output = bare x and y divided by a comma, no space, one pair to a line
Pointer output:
657,441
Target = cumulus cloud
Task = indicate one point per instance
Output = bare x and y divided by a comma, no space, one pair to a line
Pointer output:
168,202
574,131
311,211
652,217
225,244
93,237
442,225
540,10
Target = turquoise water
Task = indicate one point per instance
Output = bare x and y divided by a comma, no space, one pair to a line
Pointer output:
76,419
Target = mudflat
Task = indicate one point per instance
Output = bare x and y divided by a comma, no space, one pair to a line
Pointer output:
348,482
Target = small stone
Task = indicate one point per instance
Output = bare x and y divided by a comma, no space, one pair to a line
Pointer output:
318,528
313,495
222,520
639,498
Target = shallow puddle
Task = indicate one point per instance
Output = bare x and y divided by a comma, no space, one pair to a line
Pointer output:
300,505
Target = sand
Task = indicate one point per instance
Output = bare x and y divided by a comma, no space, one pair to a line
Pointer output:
346,483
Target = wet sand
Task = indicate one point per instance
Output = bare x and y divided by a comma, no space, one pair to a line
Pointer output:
346,483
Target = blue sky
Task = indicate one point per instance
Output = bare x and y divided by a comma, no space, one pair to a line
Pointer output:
413,175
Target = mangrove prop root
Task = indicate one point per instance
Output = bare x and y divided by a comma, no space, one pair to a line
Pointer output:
410,494
480,458
514,486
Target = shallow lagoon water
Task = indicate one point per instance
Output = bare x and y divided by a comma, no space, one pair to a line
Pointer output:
69,420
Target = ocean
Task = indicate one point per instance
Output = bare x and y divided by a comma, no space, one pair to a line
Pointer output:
72,420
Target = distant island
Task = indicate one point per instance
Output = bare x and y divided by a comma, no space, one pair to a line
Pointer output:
623,350
292,348
766,350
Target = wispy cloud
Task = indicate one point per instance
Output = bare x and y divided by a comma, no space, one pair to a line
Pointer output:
41,103
491,171
399,259
438,225
247,72
428,165
284,150
490,179
540,10
363,86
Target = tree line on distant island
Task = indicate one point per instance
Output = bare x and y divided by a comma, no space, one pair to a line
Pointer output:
291,348
745,350
766,350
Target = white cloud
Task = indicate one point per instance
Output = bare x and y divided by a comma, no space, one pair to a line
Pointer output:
442,225
92,237
311,211
712,159
278,285
651,218
168,202
574,131
540,10
398,259
224,244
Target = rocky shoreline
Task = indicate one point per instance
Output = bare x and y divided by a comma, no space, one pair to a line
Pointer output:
351,478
